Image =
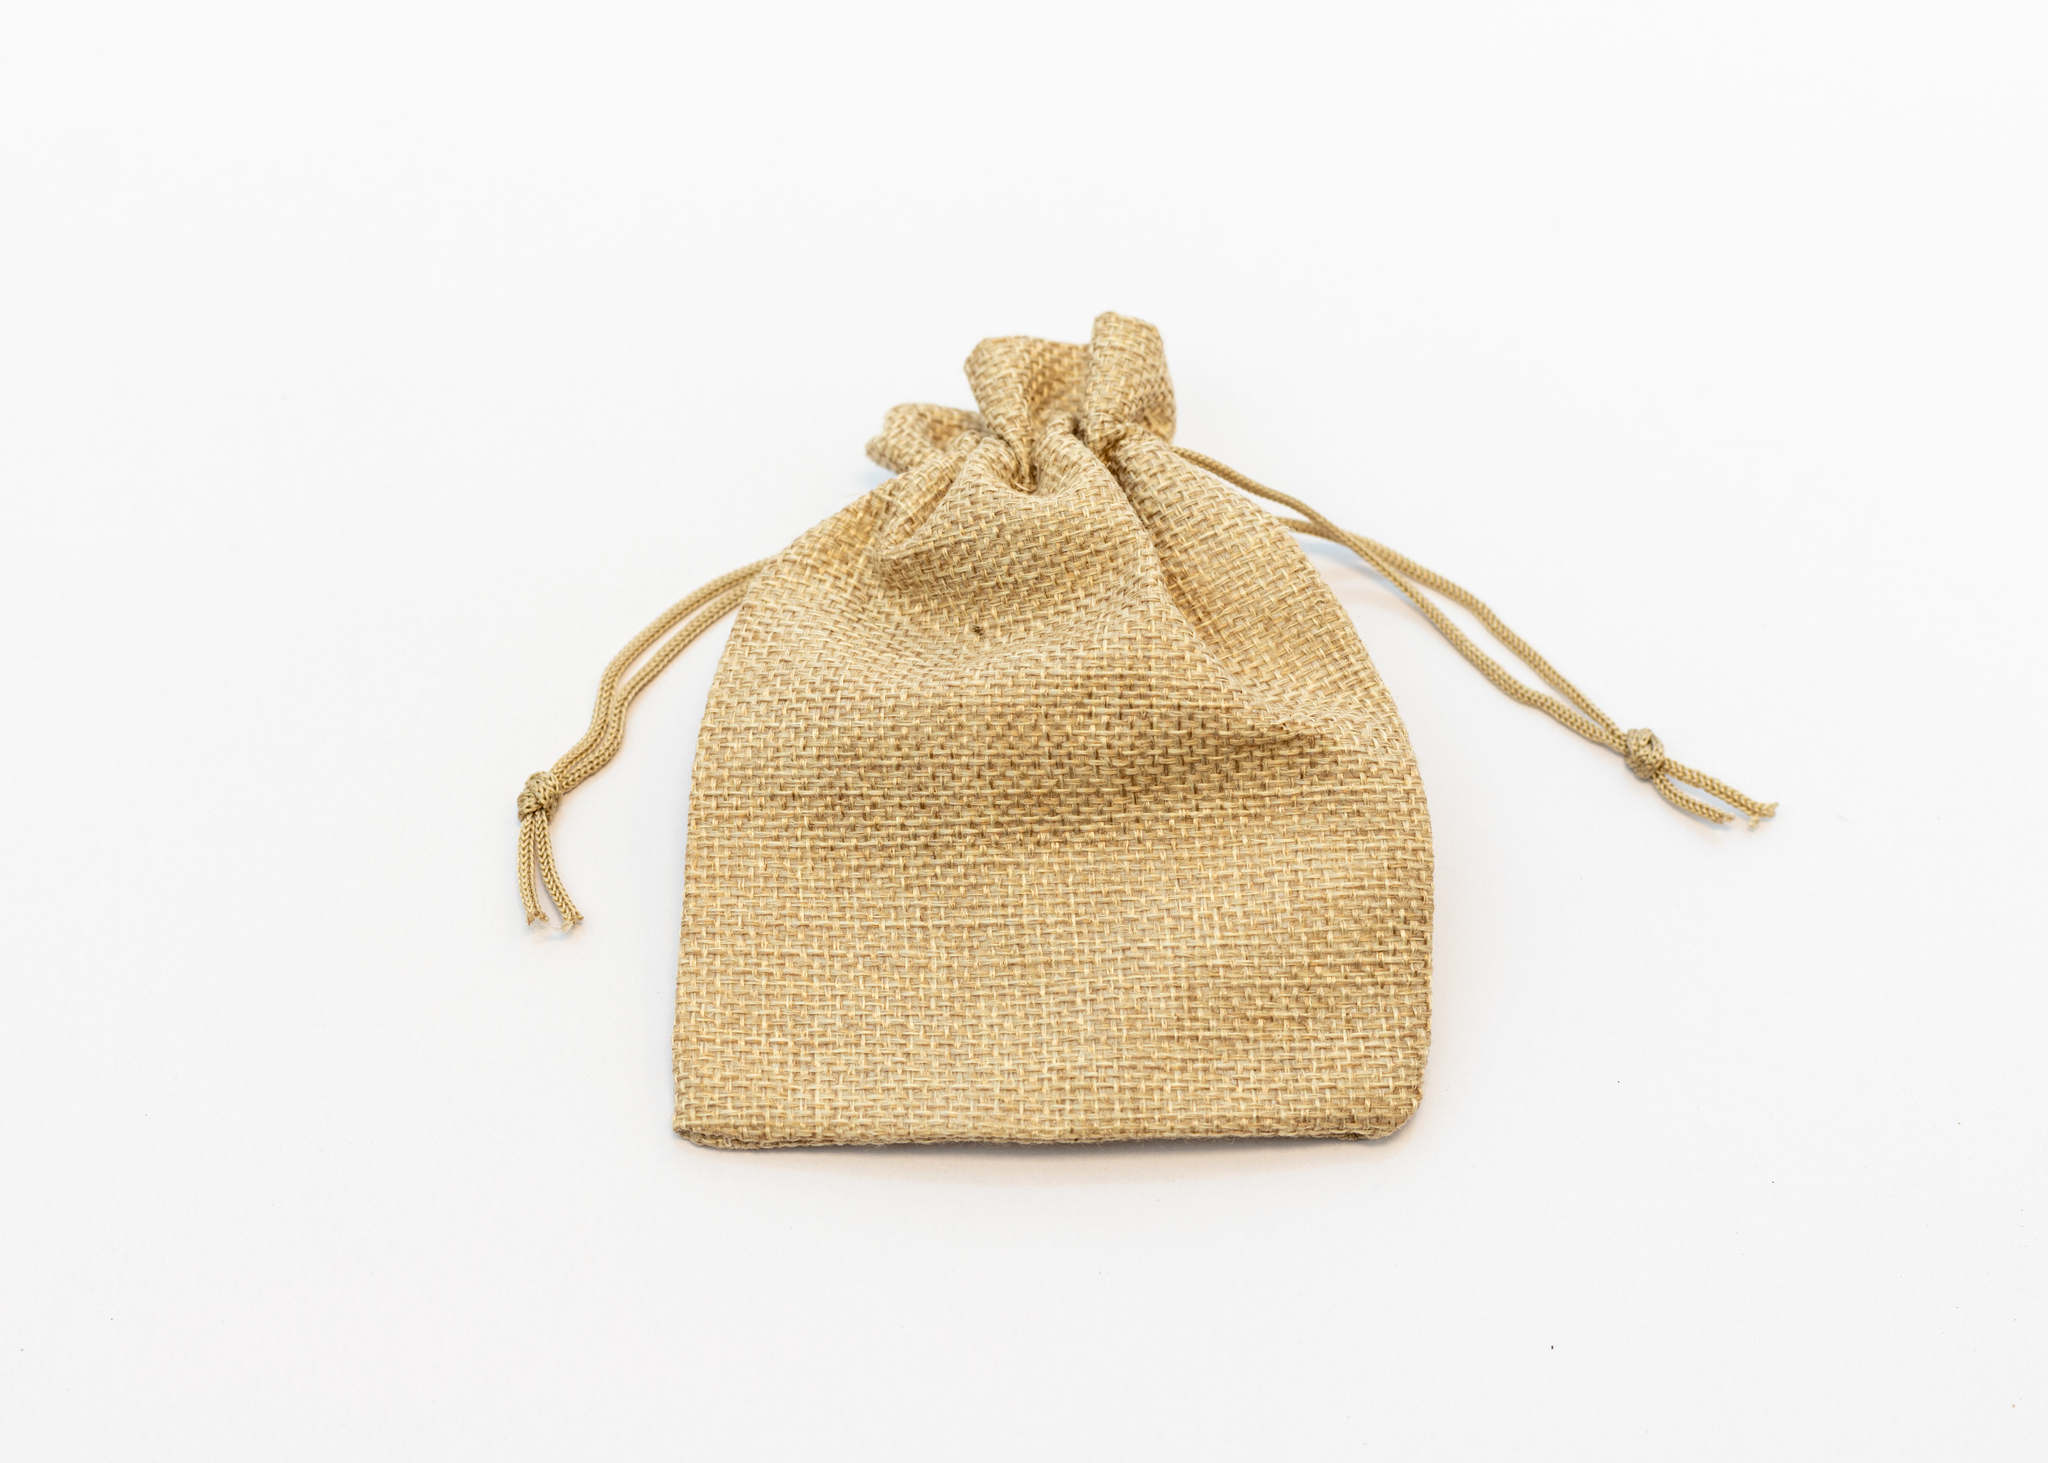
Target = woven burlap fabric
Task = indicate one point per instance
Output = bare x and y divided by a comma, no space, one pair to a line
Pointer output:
1046,794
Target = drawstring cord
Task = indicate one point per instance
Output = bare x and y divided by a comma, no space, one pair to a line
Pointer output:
697,613
1639,749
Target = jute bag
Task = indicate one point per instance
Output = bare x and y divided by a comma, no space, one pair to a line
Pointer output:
1047,795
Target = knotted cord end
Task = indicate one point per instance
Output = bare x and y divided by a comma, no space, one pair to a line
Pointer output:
1644,753
537,800
542,794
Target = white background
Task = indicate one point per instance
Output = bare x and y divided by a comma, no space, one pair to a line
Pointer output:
369,373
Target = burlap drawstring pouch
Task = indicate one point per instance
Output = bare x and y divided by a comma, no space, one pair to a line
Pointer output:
1046,795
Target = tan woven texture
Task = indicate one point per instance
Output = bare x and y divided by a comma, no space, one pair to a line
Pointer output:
1046,794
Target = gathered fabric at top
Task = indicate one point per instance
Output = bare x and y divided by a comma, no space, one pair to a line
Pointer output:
1047,794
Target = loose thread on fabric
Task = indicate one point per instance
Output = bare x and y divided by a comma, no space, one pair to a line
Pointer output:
1640,749
696,613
